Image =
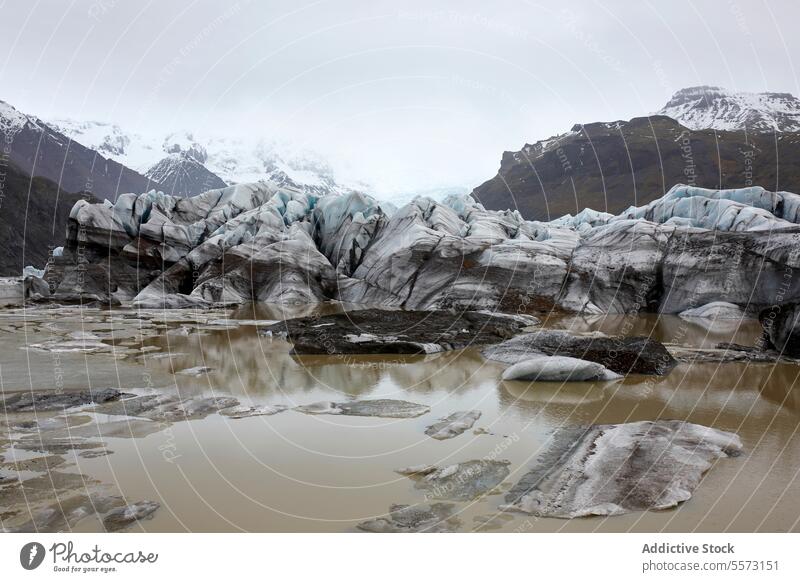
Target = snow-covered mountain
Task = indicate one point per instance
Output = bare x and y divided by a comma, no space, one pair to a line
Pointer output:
232,159
41,150
708,107
12,120
181,174
129,149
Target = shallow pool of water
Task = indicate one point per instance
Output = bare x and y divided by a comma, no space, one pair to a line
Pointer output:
299,472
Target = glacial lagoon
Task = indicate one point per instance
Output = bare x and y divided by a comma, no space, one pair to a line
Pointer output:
283,470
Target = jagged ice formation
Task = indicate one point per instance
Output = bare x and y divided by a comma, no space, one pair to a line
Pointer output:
273,243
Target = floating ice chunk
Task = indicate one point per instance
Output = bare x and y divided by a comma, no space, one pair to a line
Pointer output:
435,518
461,481
385,408
123,517
195,371
589,470
558,369
244,411
715,310
453,425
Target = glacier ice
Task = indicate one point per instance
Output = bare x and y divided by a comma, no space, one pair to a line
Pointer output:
267,242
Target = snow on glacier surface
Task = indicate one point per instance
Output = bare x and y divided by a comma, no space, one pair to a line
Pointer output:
339,223
744,209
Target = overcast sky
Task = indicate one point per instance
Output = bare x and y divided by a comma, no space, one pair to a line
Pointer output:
408,94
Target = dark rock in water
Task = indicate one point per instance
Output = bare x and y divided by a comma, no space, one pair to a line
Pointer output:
623,355
436,518
42,401
122,517
59,447
458,482
781,325
37,464
385,408
614,469
453,425
379,331
138,405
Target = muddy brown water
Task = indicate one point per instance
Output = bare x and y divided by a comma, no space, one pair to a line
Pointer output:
298,472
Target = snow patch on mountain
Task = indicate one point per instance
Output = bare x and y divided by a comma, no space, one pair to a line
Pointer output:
707,107
11,120
111,141
532,151
184,142
181,174
234,160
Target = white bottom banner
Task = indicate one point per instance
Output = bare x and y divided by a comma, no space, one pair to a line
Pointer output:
395,556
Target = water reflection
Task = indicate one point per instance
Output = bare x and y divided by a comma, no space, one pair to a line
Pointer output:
262,368
665,328
547,393
295,472
780,385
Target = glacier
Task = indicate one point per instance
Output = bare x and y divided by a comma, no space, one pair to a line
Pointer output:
275,243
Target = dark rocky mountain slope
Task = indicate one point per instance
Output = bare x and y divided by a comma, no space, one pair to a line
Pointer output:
33,219
39,150
182,174
611,166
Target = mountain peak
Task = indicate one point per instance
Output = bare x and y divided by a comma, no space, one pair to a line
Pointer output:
109,139
42,150
184,142
711,107
11,119
182,174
